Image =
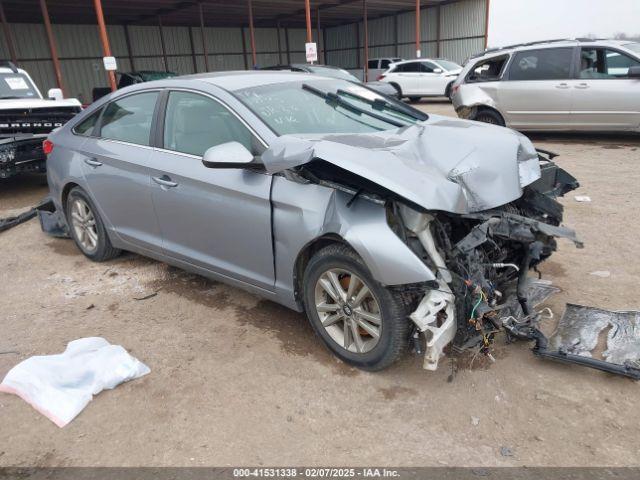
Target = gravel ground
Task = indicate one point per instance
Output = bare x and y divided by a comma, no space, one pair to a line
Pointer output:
238,380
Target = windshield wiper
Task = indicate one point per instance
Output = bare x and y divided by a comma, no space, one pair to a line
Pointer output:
381,104
335,100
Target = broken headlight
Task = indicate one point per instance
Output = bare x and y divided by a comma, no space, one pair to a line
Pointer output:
528,164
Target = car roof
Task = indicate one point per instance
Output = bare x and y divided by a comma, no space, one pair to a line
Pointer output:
556,43
240,79
416,60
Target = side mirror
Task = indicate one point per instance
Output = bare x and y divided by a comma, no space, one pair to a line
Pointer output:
634,72
437,70
55,94
228,155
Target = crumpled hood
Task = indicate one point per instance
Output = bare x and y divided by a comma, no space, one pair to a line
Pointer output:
442,163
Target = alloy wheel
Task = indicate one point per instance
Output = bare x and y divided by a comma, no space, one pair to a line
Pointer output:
84,225
348,310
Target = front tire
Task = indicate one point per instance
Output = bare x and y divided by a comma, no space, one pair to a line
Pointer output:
359,320
489,116
86,227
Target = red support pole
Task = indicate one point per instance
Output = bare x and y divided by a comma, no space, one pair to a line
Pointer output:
204,39
320,52
307,11
162,45
366,40
7,36
104,38
52,45
487,6
418,27
252,35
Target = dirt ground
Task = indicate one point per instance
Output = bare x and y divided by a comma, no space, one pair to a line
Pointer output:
240,381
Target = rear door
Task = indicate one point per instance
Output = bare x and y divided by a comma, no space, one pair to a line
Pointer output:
116,164
536,91
218,219
604,96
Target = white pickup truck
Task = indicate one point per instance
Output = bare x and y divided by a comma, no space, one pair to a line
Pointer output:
26,118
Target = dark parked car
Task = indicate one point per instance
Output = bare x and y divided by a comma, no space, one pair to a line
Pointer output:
131,78
336,72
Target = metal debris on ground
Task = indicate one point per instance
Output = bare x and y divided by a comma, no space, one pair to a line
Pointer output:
580,328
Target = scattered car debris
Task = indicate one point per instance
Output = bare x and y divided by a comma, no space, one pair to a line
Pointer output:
51,220
10,222
475,421
580,327
147,296
506,452
601,273
582,198
60,386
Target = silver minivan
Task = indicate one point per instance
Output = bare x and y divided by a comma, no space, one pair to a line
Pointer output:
554,85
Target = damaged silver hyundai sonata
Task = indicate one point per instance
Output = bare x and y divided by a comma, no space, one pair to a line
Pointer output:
384,224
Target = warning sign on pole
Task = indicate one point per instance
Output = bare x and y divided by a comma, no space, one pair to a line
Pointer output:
312,52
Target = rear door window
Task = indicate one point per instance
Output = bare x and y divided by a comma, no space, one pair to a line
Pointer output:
605,63
544,64
412,67
129,119
373,64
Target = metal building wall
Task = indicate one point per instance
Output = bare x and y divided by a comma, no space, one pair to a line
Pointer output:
461,34
462,26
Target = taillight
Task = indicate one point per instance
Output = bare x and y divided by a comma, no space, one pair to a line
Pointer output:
455,88
47,147
380,77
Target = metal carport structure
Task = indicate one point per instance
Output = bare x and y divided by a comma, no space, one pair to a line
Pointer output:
60,44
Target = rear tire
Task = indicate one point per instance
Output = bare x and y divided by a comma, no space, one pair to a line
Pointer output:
369,319
447,91
414,99
86,227
489,116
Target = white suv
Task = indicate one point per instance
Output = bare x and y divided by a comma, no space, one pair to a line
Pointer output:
422,77
577,84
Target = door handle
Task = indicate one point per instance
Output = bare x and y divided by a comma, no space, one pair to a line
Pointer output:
165,181
92,162
562,85
582,86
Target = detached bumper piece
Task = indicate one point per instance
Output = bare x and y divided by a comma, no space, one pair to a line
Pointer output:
22,154
51,220
542,350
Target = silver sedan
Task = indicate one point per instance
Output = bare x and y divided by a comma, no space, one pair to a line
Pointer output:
385,225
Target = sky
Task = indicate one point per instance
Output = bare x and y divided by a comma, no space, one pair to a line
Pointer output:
517,21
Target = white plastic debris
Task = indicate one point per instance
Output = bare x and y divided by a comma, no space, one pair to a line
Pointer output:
60,386
582,198
601,273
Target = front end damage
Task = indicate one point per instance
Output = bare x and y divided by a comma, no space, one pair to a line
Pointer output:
482,260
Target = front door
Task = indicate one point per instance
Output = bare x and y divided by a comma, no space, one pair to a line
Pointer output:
537,89
218,219
432,79
604,96
116,160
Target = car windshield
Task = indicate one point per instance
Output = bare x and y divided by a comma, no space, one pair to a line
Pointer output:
333,73
325,106
448,65
634,47
16,85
